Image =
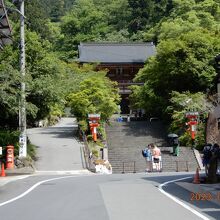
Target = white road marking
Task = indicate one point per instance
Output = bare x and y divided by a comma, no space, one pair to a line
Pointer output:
32,188
62,172
180,202
9,179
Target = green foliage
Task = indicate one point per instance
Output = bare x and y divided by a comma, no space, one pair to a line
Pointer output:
89,138
56,8
37,17
31,151
44,88
57,110
186,16
141,11
101,131
94,147
85,22
94,20
181,65
187,37
181,103
95,95
185,139
44,85
84,126
9,89
200,136
95,153
11,138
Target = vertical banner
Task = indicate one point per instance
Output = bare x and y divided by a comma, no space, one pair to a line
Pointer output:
23,146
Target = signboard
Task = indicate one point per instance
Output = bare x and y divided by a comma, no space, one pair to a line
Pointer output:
0,150
94,115
23,146
192,114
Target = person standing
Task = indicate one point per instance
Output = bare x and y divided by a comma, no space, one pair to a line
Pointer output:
156,157
135,115
207,154
149,158
140,114
128,118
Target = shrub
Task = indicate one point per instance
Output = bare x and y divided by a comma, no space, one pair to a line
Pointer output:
12,138
9,138
95,153
83,125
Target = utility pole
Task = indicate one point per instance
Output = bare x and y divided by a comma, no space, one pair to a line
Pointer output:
22,106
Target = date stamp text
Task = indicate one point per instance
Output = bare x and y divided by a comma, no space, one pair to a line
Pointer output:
204,196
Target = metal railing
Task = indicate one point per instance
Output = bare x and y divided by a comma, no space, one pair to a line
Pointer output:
181,164
129,166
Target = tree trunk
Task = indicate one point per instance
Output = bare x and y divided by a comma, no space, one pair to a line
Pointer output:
212,177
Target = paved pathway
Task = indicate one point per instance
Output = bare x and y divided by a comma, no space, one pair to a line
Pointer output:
58,148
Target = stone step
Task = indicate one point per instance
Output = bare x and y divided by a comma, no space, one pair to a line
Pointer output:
126,141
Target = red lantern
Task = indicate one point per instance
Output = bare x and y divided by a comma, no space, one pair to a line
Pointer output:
192,129
93,123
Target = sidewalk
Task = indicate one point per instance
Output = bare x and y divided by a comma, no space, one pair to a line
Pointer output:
16,174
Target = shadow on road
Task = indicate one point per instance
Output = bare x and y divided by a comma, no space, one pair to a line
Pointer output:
60,132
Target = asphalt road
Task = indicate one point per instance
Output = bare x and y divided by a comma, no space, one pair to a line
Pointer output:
58,148
87,196
98,197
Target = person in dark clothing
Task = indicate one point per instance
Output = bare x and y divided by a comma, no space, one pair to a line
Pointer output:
207,154
140,114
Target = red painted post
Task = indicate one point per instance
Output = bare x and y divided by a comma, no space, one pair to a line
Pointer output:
10,157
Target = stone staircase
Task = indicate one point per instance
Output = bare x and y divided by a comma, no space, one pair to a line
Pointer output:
126,140
186,161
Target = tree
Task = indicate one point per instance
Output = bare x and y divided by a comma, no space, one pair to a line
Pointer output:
118,13
57,10
85,20
93,20
184,17
9,94
141,11
146,13
181,65
180,104
37,18
43,75
95,95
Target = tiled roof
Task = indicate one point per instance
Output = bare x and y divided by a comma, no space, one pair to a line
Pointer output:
5,30
115,52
